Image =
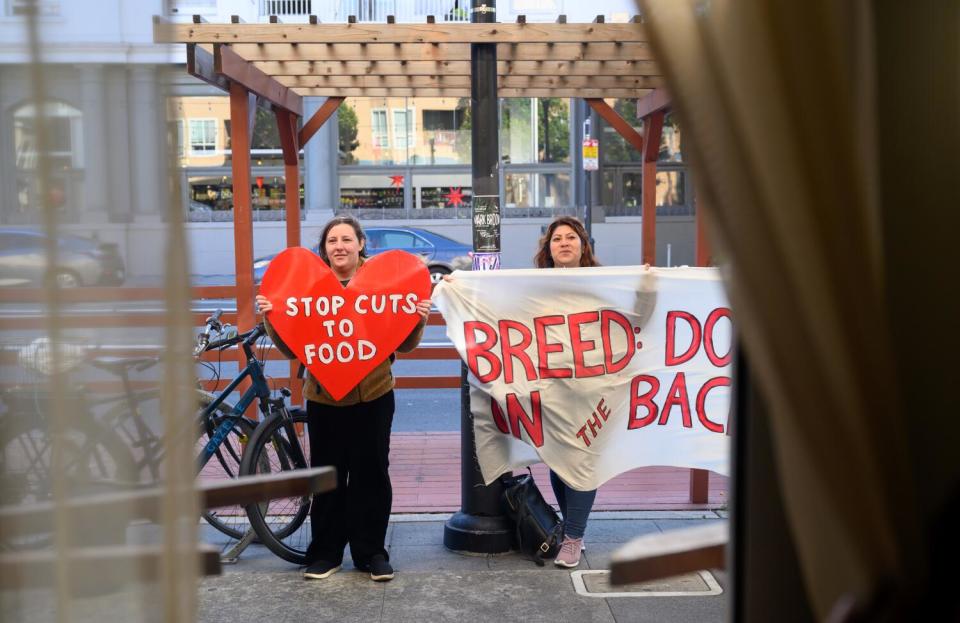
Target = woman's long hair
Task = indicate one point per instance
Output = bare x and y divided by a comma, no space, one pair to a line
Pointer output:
543,258
342,220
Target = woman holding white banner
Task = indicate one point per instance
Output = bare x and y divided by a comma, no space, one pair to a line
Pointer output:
566,245
352,434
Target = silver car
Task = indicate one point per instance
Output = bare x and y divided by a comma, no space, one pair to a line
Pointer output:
80,261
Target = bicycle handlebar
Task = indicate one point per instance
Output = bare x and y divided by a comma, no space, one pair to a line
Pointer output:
203,340
247,339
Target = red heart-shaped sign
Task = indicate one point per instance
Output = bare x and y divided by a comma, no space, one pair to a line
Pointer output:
342,333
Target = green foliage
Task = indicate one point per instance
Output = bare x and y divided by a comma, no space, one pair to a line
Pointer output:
347,125
265,134
554,130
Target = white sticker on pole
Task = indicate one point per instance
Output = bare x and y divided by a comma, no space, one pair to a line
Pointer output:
591,154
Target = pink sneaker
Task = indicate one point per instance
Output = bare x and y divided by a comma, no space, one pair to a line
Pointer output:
569,555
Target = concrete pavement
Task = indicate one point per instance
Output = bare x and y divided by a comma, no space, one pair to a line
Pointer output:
434,584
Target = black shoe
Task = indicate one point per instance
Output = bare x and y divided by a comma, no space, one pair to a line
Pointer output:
380,569
320,570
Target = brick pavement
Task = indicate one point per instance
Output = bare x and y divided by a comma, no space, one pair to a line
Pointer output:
425,470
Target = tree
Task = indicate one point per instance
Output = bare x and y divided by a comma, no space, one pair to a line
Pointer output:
347,125
614,148
265,133
554,130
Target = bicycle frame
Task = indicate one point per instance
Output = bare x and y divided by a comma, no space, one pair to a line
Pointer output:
259,389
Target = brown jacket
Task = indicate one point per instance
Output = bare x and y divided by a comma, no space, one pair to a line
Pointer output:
377,383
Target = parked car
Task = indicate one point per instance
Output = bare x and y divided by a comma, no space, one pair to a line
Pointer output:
442,255
80,261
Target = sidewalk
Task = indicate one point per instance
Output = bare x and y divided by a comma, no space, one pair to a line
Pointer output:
425,470
434,584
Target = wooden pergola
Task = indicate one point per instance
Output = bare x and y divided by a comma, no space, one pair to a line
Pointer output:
277,65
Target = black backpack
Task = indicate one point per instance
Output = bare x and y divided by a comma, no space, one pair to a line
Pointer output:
539,530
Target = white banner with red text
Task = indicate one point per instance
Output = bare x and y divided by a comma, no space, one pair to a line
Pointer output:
594,371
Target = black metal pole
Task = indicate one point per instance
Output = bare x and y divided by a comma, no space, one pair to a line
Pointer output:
480,527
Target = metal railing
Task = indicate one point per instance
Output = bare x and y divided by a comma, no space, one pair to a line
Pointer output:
415,11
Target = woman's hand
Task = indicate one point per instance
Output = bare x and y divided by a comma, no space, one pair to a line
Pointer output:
263,304
423,308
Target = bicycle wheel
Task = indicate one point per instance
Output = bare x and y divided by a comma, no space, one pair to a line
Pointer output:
279,444
225,463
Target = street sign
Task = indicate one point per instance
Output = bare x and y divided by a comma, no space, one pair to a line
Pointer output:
591,154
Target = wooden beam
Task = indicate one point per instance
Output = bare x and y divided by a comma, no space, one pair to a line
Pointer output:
287,129
96,567
617,122
699,486
252,489
200,66
703,253
629,51
380,82
37,518
668,554
242,215
652,130
578,68
456,68
504,92
463,82
318,119
657,101
366,32
230,65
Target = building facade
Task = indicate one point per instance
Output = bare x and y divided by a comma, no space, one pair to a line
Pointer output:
124,115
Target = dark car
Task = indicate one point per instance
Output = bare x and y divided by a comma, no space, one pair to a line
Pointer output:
80,261
442,255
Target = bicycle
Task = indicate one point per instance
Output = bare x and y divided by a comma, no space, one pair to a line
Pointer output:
116,450
270,527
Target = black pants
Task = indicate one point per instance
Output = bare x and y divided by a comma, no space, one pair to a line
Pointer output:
356,440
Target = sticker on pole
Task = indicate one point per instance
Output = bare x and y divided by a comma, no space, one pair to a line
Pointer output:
591,154
486,223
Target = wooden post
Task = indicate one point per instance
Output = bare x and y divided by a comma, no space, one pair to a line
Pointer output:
242,215
702,250
700,478
652,129
287,128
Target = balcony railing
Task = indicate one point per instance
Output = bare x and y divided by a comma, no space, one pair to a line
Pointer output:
412,11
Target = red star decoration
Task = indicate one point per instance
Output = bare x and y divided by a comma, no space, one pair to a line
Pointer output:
396,181
454,197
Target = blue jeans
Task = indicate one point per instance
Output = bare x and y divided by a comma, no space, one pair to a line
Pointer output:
574,506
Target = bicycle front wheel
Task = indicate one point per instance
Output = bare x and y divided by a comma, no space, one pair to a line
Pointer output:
279,444
225,463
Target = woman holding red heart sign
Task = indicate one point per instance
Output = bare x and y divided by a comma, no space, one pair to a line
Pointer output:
352,434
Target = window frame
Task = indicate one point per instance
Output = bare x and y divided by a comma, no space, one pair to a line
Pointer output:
216,134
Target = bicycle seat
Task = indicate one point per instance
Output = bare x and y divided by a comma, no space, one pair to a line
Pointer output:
119,365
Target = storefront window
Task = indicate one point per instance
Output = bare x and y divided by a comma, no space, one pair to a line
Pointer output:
211,198
622,194
443,134
535,130
533,194
445,195
373,195
670,188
